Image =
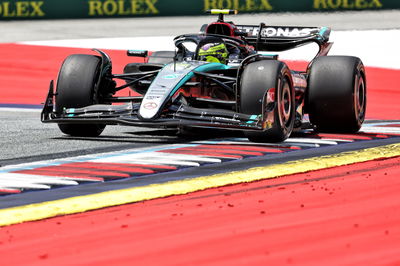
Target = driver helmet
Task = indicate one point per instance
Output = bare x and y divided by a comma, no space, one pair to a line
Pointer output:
213,52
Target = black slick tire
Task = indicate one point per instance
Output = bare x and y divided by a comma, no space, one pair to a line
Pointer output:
257,78
76,87
337,94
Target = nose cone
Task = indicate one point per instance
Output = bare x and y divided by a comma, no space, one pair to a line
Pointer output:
168,80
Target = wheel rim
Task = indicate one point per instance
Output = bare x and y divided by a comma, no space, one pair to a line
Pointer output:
284,103
360,99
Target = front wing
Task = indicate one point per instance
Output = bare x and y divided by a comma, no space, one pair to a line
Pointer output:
174,116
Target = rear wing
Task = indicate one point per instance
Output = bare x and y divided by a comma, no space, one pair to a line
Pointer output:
281,38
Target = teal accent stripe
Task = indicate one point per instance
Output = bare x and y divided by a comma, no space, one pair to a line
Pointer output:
70,110
252,119
202,68
322,31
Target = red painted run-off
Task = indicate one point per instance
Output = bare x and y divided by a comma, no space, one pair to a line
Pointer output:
26,71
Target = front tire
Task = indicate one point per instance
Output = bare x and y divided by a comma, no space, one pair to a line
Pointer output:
337,94
257,78
76,88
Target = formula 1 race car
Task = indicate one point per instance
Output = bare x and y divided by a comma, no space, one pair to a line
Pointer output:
218,78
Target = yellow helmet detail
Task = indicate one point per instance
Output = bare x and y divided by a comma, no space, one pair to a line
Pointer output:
213,52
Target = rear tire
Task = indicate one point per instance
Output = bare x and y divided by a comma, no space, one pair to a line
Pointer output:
76,88
256,80
337,94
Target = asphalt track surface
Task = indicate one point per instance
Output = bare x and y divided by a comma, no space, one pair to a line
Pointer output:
341,215
26,139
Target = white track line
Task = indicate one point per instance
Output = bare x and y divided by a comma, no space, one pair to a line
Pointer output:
38,179
383,130
146,160
19,184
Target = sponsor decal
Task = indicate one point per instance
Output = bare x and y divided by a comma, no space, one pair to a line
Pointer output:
286,32
150,105
122,7
171,76
278,31
21,9
347,4
152,97
240,5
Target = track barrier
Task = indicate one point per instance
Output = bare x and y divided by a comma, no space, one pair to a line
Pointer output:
65,9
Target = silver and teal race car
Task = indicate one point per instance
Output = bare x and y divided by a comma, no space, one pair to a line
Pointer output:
227,77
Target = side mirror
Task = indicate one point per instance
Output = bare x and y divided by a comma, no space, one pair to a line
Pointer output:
137,53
